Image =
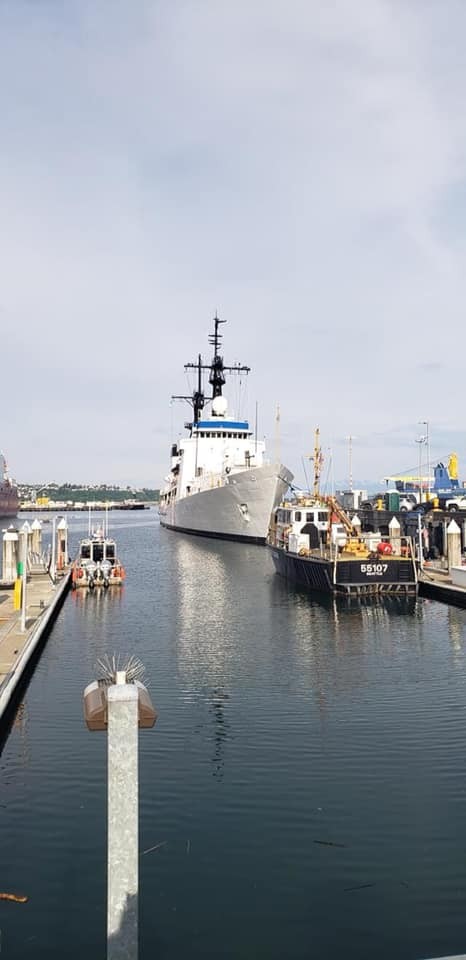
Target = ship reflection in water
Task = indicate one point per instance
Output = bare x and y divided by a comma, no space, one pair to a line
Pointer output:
205,641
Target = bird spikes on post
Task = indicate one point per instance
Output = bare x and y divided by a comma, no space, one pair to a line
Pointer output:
107,668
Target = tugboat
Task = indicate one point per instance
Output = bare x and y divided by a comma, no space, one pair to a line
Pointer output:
97,564
315,544
220,484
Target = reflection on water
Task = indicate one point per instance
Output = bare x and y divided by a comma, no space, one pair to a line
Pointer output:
284,719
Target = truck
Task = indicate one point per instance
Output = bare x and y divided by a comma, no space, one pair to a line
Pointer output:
457,503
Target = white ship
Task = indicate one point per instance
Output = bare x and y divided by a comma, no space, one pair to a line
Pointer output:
9,499
220,484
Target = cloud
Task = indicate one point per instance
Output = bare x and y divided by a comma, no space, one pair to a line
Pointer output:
299,170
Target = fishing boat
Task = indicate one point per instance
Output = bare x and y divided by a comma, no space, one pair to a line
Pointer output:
9,499
316,544
97,564
220,483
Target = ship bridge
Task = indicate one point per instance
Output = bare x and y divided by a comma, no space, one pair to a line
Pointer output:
227,429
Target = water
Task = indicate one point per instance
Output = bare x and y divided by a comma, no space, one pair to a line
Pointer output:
282,721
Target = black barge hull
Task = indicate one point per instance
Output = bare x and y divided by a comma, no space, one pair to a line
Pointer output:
348,577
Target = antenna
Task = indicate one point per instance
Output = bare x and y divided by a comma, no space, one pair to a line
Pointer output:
350,459
217,372
305,473
277,434
318,461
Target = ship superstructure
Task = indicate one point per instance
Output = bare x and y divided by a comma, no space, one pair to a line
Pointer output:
220,483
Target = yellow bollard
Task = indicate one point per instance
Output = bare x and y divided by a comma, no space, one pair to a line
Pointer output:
17,594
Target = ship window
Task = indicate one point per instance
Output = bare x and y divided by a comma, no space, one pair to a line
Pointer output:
110,551
230,436
309,517
297,514
98,552
322,515
86,551
224,435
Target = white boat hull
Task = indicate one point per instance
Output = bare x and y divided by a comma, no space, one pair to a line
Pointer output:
220,511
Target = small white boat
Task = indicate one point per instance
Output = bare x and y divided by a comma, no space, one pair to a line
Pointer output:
97,563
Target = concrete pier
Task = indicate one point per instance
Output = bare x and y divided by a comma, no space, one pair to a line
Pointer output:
17,646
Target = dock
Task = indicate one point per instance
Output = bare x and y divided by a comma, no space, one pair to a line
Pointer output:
437,584
60,506
17,646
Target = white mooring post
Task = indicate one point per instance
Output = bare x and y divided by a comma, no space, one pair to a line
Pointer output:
121,704
36,528
62,544
394,529
453,545
10,555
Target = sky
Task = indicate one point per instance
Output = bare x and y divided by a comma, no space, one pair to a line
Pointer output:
299,168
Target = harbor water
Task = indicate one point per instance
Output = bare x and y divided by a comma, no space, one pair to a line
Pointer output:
303,793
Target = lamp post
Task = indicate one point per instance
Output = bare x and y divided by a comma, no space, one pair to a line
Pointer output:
427,441
350,459
420,442
53,561
24,559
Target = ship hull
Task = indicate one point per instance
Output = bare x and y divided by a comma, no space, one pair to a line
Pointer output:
9,503
239,510
349,577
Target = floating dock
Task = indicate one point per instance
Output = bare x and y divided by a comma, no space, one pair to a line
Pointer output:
440,585
17,646
59,506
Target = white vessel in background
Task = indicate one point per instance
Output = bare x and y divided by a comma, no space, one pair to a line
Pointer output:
220,484
9,499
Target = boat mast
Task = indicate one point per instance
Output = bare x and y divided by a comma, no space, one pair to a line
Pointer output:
317,462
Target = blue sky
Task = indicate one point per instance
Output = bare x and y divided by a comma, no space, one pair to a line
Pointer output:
300,168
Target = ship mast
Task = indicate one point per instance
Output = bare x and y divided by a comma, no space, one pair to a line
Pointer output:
216,370
217,376
197,398
317,462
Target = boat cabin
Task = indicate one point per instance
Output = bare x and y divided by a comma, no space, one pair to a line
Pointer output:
95,550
